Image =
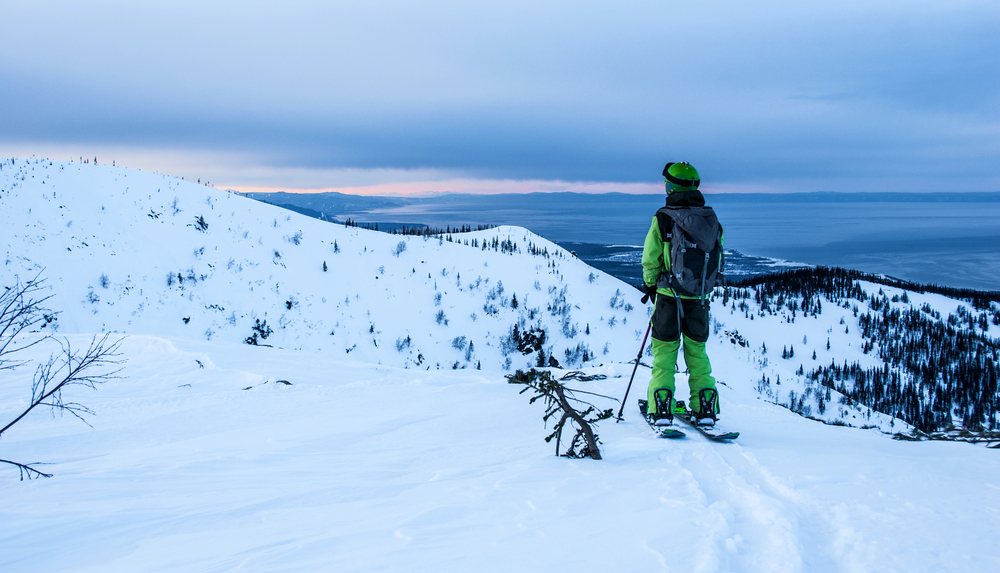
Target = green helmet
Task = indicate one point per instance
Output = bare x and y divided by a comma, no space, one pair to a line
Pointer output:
681,177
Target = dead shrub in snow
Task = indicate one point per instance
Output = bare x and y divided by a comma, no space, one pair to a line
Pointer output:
558,403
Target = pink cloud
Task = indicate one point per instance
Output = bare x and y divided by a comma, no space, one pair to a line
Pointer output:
475,186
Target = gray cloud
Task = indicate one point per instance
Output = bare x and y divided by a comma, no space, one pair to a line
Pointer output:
772,92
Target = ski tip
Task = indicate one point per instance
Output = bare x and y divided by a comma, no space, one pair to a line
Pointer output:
726,437
671,434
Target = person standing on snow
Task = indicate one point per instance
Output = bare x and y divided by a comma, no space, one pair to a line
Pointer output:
688,232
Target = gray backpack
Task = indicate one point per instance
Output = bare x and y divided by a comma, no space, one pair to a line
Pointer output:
696,258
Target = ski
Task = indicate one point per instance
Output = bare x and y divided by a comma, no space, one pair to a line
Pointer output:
711,433
662,432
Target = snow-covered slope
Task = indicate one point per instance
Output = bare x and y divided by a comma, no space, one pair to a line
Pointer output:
356,467
199,459
134,252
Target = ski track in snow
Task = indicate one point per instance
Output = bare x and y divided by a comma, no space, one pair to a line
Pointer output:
749,521
377,459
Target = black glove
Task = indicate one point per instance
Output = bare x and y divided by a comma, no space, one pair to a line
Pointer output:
650,294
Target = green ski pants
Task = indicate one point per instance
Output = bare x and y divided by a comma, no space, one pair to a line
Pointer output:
666,328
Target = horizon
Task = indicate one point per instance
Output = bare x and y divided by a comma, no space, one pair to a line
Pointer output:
485,188
707,192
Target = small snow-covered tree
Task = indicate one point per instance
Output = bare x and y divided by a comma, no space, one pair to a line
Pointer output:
261,331
403,343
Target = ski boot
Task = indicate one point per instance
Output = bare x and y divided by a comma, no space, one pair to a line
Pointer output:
680,409
663,416
708,399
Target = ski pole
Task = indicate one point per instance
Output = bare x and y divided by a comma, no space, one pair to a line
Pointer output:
637,358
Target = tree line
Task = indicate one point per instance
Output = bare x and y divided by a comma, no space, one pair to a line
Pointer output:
937,370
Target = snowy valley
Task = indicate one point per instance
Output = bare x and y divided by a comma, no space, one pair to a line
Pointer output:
301,395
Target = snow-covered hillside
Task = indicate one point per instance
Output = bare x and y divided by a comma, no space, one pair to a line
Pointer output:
134,252
388,450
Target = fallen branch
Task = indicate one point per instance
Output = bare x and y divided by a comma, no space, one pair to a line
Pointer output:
583,377
557,401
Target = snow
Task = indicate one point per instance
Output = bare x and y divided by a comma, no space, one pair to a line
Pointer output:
252,262
199,459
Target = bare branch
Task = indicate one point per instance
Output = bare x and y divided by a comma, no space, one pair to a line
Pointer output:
88,369
561,425
573,390
21,309
588,432
26,470
583,377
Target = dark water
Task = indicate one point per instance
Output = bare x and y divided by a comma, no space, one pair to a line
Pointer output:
952,244
625,262
946,239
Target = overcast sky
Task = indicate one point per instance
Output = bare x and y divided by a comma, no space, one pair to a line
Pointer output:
485,96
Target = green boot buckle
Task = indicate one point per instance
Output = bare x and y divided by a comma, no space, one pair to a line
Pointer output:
680,409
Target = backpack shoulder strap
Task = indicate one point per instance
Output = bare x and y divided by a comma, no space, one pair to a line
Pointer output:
666,224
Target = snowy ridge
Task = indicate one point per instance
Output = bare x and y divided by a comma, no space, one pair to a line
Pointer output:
199,459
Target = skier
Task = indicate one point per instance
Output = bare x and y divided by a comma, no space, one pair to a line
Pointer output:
678,309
